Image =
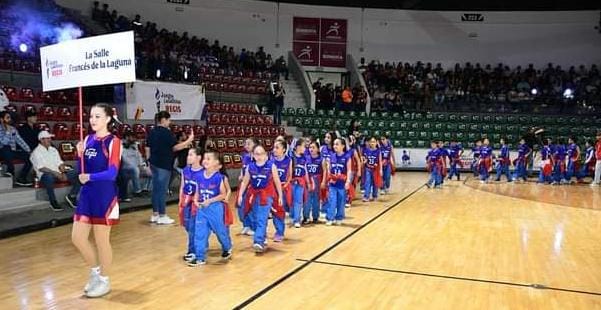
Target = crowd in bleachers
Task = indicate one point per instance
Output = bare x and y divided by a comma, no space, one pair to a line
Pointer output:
341,98
486,88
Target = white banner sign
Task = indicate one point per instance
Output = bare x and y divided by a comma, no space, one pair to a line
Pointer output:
182,101
99,60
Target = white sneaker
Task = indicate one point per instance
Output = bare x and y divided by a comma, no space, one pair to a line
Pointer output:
297,225
92,281
258,248
348,205
154,218
165,220
244,231
338,223
101,288
594,184
328,223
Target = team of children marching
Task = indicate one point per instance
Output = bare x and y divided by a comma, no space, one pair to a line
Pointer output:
302,180
559,163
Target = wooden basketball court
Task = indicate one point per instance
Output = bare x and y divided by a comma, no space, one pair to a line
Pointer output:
467,246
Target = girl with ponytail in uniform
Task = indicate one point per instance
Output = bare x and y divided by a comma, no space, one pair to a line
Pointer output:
339,180
372,160
388,163
248,221
188,198
283,164
353,151
316,167
263,191
211,213
97,209
301,183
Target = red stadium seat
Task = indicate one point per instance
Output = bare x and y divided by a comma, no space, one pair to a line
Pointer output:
229,131
26,108
219,131
228,161
27,94
61,131
231,145
46,113
248,132
237,159
76,114
187,128
256,131
12,94
75,131
64,114
221,145
242,119
199,131
238,131
42,126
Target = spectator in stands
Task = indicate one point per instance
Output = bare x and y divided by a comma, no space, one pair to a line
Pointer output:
131,164
359,98
281,67
279,93
161,145
28,131
9,139
347,99
50,168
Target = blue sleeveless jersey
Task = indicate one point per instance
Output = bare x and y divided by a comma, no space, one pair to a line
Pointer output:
208,188
282,165
260,176
372,157
314,165
338,165
300,166
190,182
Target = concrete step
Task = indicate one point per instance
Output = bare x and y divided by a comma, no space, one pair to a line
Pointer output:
20,200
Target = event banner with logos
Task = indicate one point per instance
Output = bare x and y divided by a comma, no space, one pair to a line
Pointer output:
320,41
182,101
99,60
413,158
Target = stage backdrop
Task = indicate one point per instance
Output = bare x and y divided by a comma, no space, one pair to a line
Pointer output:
98,60
182,101
320,41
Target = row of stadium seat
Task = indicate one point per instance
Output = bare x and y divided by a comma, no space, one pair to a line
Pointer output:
27,94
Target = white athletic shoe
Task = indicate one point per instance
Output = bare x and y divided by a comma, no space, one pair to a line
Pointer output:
594,184
154,219
250,232
100,288
338,223
297,225
348,205
165,220
92,281
258,248
244,231
328,223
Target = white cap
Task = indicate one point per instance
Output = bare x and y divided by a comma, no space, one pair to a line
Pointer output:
44,134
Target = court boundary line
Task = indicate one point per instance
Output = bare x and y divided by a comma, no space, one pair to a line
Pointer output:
433,275
322,253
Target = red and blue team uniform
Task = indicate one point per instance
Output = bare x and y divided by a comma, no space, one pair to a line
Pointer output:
573,169
283,167
546,167
520,163
98,199
212,218
559,163
503,163
188,203
326,152
315,170
434,166
387,168
589,163
337,178
373,179
455,160
262,197
352,154
248,220
485,162
300,187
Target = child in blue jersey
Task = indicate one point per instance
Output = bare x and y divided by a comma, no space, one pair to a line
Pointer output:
326,148
188,198
316,168
300,182
573,166
283,164
353,150
372,159
588,166
99,157
559,163
339,180
485,162
521,162
211,214
248,221
388,163
434,165
455,152
444,156
503,162
546,165
262,185
476,157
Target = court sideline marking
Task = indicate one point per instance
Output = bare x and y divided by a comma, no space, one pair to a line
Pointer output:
424,274
322,253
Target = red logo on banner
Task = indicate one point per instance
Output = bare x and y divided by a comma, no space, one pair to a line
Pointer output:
332,55
333,30
307,53
305,29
